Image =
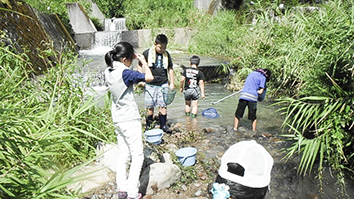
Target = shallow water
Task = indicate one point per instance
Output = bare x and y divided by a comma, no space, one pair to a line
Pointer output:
285,181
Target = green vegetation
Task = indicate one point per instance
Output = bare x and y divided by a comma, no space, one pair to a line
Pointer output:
158,13
47,126
310,52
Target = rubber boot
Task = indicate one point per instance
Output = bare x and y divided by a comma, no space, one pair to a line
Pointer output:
163,120
149,121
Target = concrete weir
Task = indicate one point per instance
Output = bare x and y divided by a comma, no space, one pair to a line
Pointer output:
87,37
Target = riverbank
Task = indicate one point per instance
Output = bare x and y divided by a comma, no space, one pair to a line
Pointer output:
212,137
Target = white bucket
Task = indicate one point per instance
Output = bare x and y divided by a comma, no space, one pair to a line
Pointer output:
186,156
154,136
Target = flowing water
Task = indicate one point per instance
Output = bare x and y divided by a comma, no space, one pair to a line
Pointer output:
286,183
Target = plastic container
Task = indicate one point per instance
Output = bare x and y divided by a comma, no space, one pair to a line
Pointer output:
186,156
154,136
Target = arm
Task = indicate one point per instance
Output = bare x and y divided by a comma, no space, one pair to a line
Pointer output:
172,78
260,91
183,78
140,67
148,75
201,86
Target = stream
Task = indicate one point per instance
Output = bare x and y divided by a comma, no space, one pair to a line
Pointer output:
285,183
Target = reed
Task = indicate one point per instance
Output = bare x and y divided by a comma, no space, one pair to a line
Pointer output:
48,128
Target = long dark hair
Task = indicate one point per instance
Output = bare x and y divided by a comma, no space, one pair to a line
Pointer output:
121,50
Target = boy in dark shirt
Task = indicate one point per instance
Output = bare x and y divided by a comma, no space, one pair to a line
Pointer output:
161,66
192,82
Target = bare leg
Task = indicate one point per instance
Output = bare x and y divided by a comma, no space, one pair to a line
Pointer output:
163,110
236,122
254,125
194,106
187,108
150,111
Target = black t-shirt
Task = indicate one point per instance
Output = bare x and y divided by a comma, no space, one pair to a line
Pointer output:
157,70
193,75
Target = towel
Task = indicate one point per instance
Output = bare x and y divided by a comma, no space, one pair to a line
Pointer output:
152,58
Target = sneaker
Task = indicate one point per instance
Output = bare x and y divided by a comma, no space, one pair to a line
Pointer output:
193,115
140,196
122,195
187,113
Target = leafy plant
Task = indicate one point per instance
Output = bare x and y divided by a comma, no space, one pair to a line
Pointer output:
48,128
321,126
157,13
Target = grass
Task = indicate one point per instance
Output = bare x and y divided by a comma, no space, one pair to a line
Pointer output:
48,128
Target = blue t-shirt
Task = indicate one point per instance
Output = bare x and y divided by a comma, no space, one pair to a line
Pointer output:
254,81
131,77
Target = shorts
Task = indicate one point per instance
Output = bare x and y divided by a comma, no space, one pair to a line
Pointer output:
192,94
154,96
252,109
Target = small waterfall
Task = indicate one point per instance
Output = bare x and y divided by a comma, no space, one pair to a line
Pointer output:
115,24
107,38
112,33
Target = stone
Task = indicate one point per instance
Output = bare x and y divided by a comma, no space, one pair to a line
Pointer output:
107,154
94,176
162,175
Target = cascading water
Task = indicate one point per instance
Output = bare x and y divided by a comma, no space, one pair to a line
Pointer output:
115,24
112,33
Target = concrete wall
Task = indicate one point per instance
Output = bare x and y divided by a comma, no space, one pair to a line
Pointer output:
85,40
96,12
202,4
25,26
85,32
79,19
211,6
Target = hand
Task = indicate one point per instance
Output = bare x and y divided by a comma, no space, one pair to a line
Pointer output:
181,89
140,57
203,96
141,84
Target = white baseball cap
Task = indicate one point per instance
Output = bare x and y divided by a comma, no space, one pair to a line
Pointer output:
255,160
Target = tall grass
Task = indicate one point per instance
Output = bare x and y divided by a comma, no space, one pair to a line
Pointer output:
298,46
157,13
310,53
47,129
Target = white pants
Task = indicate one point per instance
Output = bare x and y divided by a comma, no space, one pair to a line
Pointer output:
130,149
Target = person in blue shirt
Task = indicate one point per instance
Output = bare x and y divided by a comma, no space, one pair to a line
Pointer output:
255,86
126,116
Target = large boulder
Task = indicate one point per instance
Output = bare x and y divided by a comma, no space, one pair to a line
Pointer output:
159,176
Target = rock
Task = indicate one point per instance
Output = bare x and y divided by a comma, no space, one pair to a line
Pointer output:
108,155
95,176
162,175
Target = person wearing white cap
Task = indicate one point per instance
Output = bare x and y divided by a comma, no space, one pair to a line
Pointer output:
246,169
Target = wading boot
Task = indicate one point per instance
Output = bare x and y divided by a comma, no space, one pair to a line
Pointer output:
149,121
163,120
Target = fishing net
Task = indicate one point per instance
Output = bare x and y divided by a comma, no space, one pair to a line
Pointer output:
210,113
168,95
